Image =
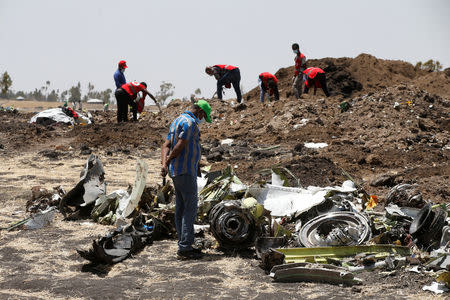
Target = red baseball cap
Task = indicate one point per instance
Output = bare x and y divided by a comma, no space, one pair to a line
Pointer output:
123,64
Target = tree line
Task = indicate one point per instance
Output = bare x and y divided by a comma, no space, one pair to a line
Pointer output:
45,93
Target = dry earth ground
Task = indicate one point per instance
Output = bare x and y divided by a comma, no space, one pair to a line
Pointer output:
43,264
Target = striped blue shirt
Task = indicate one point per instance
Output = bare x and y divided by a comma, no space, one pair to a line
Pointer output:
185,127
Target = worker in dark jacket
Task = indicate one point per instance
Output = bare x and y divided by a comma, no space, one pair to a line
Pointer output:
315,77
119,77
268,83
226,75
127,95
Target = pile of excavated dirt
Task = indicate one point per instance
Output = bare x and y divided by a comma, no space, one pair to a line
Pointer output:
364,73
397,126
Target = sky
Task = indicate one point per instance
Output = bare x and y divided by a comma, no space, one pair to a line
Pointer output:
77,40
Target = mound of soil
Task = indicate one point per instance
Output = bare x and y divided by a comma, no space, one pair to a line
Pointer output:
364,73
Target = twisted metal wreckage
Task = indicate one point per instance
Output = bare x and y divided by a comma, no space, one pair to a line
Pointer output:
322,234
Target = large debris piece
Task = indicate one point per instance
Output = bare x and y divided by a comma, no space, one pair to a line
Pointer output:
427,226
233,226
127,205
89,188
335,229
323,254
220,186
290,201
313,273
405,195
122,242
60,115
41,198
41,218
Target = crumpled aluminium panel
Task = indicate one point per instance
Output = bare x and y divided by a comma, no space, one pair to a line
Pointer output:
91,185
287,201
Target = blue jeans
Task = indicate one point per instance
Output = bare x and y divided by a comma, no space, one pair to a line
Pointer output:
186,200
233,77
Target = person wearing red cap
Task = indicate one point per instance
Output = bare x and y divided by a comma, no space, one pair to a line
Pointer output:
126,95
119,77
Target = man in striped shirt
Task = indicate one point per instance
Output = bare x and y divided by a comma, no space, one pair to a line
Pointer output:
180,156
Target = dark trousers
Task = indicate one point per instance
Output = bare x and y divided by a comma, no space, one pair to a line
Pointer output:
233,77
322,78
264,90
123,99
134,110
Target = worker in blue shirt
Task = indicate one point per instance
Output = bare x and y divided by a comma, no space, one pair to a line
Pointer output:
119,77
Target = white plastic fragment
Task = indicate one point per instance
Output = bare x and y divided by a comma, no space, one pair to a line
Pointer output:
414,269
316,145
436,287
302,123
226,142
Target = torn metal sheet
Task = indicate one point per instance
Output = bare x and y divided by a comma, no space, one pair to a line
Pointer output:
224,185
122,242
233,226
320,254
128,204
313,273
343,228
106,206
89,188
41,219
93,177
439,263
288,201
393,211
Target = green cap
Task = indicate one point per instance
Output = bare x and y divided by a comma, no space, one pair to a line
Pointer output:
204,105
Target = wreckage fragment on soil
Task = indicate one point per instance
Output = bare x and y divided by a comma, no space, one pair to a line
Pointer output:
89,188
335,229
321,254
324,273
233,226
122,242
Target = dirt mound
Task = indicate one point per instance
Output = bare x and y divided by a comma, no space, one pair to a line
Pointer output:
364,73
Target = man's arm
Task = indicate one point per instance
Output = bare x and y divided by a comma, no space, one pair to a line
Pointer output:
117,80
153,98
165,149
177,149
